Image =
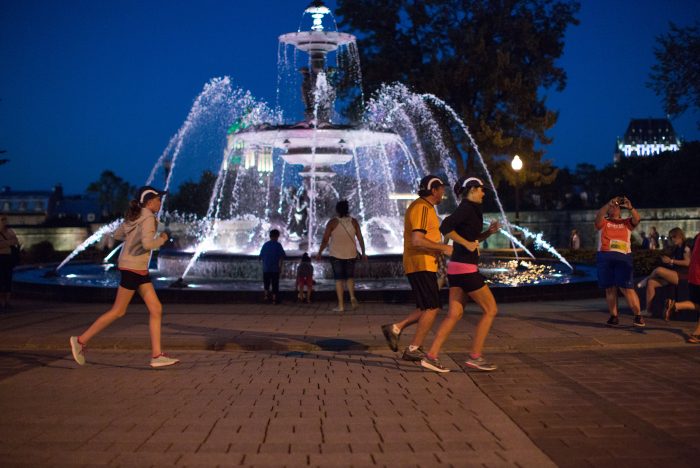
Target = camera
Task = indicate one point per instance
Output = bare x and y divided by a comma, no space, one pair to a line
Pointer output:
620,201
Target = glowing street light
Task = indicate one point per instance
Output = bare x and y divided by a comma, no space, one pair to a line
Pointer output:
517,165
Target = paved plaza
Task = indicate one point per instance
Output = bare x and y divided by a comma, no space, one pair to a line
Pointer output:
300,385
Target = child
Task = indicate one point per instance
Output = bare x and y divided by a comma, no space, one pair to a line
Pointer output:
139,234
271,255
305,276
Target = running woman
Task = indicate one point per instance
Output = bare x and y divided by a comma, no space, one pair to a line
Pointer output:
139,234
463,227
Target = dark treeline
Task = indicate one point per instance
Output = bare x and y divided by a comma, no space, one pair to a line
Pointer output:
665,180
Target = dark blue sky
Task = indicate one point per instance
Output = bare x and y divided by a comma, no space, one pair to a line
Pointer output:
88,86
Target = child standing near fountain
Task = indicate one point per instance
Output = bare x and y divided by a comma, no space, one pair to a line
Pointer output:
305,277
271,255
139,234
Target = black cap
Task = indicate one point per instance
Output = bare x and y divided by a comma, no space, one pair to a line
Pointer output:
147,193
430,182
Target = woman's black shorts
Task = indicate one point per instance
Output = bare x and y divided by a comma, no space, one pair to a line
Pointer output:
425,287
468,282
132,281
343,269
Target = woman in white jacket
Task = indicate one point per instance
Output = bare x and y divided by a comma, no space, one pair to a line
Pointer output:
139,234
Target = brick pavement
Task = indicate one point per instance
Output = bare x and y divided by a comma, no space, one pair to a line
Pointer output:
295,385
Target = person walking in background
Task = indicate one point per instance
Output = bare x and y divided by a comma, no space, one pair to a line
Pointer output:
645,241
9,258
671,307
305,278
654,238
422,243
272,255
139,234
676,268
614,257
574,240
343,234
464,228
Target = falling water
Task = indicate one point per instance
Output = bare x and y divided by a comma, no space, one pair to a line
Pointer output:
541,243
95,237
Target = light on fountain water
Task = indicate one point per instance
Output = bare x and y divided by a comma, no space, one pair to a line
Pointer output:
276,172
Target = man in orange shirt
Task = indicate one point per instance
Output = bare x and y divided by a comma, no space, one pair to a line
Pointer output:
614,258
422,243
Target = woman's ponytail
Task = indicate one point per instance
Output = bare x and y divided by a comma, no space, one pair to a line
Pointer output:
134,211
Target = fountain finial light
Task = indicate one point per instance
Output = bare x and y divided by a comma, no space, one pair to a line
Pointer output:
317,10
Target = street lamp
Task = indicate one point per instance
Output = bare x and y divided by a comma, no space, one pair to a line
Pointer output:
517,164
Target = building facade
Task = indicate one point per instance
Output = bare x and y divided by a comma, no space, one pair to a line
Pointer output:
647,137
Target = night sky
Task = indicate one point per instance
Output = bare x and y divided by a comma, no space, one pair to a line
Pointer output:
88,86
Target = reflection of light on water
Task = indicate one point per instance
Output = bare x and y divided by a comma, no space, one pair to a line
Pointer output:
518,272
71,276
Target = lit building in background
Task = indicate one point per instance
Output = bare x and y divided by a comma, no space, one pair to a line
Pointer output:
647,137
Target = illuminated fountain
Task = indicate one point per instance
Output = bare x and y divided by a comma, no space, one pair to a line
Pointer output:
274,171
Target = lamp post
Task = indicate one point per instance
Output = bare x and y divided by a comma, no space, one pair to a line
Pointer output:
517,165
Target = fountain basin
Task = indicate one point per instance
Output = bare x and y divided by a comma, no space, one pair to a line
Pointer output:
90,282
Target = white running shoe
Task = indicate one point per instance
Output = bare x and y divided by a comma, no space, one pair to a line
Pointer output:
338,309
78,350
163,360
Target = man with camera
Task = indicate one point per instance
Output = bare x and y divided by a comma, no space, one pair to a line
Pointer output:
614,258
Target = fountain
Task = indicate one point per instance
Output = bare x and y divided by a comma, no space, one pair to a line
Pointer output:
275,171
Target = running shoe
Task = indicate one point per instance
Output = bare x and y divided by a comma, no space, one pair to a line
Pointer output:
613,321
639,321
338,309
669,309
392,339
480,364
163,360
78,350
415,355
433,364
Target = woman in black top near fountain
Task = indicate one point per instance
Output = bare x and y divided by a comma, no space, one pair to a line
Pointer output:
464,227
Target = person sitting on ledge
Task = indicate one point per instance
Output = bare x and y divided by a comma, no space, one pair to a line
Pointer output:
676,270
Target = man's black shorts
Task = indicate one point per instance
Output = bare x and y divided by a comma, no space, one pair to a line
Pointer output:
425,288
132,281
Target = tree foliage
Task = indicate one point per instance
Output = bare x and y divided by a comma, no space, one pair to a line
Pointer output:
490,60
193,197
112,192
676,75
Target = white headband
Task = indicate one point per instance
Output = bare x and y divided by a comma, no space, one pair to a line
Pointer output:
430,182
146,192
464,184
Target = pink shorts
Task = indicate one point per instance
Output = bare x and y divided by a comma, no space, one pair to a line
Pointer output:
305,280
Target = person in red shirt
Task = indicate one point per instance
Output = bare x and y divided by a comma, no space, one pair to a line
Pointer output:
614,258
693,292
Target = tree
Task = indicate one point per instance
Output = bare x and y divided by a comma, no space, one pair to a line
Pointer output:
489,59
676,75
112,192
193,197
